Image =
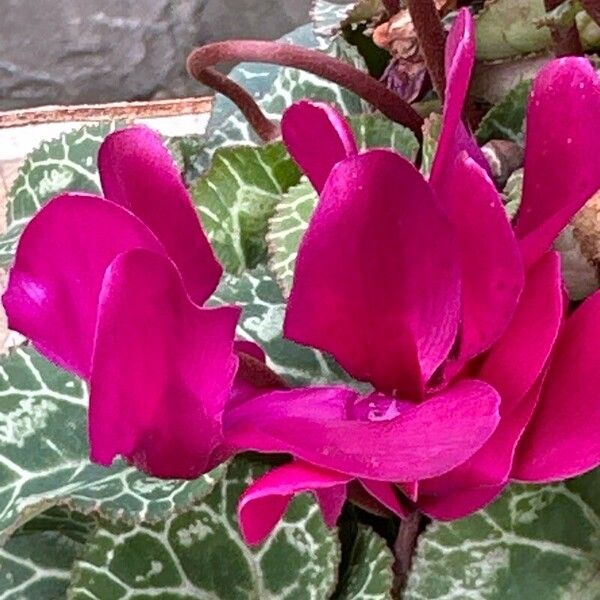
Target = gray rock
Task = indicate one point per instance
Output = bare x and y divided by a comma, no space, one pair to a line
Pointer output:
78,51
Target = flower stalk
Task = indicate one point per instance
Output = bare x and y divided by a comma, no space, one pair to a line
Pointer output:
312,61
432,39
266,129
405,546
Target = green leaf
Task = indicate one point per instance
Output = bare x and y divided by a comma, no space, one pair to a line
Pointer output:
37,560
236,197
65,163
44,453
513,191
329,18
199,553
262,321
286,229
507,28
535,542
362,11
368,575
506,120
293,212
431,133
184,150
376,131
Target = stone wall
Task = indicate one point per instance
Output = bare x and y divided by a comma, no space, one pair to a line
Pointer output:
78,51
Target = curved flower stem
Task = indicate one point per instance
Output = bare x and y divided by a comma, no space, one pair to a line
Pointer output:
266,130
432,40
592,7
566,40
313,61
405,546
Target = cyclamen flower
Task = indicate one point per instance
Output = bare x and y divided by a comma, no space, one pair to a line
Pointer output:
423,289
112,290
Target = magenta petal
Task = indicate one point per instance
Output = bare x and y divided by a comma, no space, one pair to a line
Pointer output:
513,367
386,494
377,280
488,468
138,173
454,137
317,137
562,166
562,438
331,502
423,441
457,505
410,489
264,503
162,370
491,265
516,361
54,284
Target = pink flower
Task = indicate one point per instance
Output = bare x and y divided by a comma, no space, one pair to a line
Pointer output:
545,364
112,289
423,289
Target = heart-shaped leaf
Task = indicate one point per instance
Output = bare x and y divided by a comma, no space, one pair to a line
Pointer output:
506,120
368,574
44,453
199,553
236,197
37,560
262,321
535,542
65,163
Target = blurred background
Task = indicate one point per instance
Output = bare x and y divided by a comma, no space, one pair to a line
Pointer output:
93,51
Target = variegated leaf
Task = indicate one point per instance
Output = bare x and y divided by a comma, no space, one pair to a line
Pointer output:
535,542
236,197
199,553
368,574
44,453
37,560
275,89
65,163
262,321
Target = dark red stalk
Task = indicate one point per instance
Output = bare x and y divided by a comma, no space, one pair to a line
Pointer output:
566,40
266,130
432,40
404,548
313,61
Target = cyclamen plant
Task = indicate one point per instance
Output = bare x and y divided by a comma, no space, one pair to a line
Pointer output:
468,367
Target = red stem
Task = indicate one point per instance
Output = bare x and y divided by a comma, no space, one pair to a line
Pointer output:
404,549
313,61
266,130
432,40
